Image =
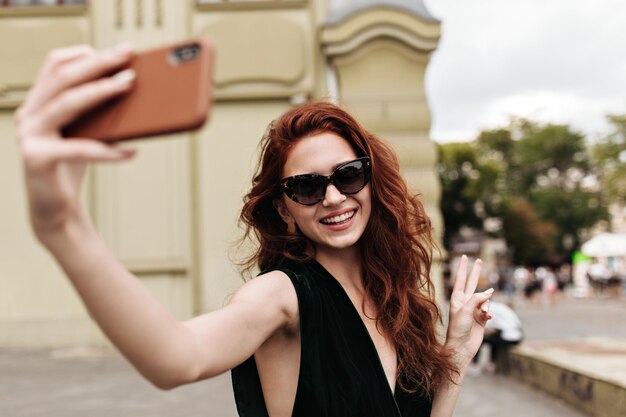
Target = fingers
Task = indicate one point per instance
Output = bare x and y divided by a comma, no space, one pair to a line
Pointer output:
479,298
462,283
60,56
41,154
43,86
484,313
472,282
482,317
72,66
71,103
478,305
86,150
461,275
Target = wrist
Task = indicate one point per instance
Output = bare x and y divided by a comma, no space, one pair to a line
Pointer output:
55,235
459,355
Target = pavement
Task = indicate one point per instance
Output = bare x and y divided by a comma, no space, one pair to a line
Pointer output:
577,353
590,374
86,382
598,358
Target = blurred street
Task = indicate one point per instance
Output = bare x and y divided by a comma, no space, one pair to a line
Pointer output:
77,382
566,319
570,318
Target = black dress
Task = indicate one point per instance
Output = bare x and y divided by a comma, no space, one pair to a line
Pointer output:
341,374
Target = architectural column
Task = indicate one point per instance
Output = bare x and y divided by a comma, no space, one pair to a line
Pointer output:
379,55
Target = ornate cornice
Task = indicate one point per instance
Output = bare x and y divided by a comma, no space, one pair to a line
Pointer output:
376,22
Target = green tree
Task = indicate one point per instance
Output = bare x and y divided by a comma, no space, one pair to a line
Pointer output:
554,165
458,173
531,240
570,211
498,142
536,178
550,154
609,156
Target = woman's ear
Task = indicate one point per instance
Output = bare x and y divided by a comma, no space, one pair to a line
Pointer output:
284,214
282,210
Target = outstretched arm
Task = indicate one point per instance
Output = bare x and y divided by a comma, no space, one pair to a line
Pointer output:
167,352
469,314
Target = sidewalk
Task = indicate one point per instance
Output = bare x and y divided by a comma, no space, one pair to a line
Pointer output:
89,383
83,383
590,374
576,351
86,383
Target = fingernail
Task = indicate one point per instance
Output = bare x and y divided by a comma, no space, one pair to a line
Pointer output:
125,77
126,151
124,48
489,291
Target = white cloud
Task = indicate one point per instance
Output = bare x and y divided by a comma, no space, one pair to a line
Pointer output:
549,107
561,61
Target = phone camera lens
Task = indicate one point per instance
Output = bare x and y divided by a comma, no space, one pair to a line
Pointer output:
185,53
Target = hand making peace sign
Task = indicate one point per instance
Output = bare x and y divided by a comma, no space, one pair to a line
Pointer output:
469,313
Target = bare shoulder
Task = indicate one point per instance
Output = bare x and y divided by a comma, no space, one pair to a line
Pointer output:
272,289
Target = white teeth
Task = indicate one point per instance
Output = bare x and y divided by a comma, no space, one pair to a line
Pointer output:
338,219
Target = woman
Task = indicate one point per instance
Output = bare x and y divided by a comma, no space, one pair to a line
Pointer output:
341,322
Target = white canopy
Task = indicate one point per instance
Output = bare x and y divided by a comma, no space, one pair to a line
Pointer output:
605,244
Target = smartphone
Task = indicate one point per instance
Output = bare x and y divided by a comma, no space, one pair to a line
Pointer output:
172,92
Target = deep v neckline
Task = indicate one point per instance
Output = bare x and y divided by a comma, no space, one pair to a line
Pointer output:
364,328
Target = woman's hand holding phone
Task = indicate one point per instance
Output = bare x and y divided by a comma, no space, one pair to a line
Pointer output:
99,92
71,81
83,99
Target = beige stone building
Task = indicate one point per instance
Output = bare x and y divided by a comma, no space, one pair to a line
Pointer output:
171,214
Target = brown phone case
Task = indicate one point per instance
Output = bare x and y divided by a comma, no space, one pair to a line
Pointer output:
172,92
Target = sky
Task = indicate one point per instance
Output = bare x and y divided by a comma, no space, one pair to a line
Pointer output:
553,61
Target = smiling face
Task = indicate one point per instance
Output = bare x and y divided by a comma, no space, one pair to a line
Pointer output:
339,220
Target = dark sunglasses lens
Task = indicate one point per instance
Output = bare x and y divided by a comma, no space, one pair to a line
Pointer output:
309,190
351,178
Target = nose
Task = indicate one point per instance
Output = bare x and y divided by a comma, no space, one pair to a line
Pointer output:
333,196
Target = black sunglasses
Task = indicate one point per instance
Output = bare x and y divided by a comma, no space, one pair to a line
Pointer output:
310,189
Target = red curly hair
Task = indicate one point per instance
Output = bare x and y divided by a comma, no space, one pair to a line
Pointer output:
396,246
